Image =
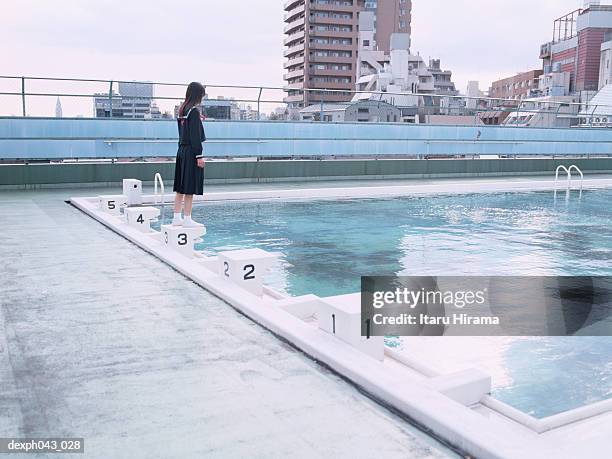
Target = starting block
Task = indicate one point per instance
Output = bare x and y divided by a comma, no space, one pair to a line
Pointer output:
466,387
112,203
132,189
246,268
182,239
341,317
141,217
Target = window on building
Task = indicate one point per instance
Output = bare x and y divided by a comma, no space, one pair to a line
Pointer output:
366,42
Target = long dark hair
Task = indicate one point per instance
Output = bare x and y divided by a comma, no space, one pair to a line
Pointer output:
193,97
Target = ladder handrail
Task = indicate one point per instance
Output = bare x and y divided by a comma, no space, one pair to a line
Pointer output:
567,171
158,178
573,166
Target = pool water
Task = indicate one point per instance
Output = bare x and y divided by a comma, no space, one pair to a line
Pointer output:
329,244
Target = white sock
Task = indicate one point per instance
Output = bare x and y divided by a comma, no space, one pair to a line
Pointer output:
177,216
187,218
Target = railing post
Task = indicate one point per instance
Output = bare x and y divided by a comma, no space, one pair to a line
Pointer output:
23,101
258,102
110,100
321,113
592,114
518,107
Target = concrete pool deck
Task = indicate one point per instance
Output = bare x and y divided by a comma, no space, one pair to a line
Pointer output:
100,340
49,208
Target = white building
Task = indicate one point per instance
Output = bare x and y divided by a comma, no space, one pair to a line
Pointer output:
401,73
473,92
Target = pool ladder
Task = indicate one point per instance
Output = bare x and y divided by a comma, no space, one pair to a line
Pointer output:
568,171
158,178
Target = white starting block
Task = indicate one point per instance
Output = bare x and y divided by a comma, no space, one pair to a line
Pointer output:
112,203
466,387
132,189
246,268
341,316
141,217
182,239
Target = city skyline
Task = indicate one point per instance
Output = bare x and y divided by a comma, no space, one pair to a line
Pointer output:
46,41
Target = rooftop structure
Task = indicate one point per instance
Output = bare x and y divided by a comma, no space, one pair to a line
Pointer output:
575,47
598,111
365,111
544,112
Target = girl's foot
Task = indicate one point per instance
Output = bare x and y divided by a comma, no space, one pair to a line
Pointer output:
177,220
189,223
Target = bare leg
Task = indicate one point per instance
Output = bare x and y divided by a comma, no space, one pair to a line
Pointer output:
188,204
178,203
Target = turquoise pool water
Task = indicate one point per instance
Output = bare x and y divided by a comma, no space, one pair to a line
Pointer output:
328,245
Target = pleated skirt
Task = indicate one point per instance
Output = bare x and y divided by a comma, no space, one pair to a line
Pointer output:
188,177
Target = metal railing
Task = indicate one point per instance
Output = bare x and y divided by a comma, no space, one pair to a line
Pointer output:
320,104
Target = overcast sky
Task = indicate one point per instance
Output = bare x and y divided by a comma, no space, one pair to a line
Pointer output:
240,41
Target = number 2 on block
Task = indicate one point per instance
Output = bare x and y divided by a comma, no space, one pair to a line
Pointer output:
249,272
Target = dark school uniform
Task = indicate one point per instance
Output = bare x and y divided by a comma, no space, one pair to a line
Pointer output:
188,177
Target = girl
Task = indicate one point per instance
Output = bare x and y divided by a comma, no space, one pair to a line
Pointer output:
189,171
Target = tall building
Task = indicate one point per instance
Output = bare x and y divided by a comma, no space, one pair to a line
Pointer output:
134,100
107,107
390,16
137,100
220,108
322,42
58,108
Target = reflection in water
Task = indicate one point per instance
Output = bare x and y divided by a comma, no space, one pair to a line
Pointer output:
329,244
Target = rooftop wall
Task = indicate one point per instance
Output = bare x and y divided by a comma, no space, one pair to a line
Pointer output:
53,138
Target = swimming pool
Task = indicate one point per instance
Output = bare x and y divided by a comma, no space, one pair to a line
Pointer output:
329,244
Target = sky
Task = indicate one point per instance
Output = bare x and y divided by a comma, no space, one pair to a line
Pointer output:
239,42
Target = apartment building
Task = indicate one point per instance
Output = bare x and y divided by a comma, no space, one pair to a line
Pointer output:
321,40
516,87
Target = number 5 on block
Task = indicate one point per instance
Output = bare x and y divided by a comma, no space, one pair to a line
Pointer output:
246,268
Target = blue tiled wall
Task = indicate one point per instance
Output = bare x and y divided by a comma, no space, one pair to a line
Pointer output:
48,138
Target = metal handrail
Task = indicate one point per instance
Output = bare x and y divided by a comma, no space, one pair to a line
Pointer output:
157,178
579,112
573,166
511,102
562,168
568,171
